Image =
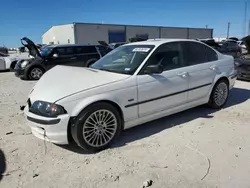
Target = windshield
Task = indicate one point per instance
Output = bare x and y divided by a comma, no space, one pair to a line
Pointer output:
46,51
124,59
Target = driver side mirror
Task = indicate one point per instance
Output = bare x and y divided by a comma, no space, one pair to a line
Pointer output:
55,56
154,69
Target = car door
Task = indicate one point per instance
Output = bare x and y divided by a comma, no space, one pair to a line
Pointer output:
86,55
202,69
165,91
61,56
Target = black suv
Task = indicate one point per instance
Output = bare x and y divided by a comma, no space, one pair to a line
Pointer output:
52,55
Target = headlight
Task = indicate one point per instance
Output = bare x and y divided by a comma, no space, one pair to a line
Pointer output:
24,63
47,109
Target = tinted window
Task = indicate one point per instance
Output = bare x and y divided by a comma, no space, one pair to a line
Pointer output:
78,50
197,53
89,49
69,51
60,51
169,55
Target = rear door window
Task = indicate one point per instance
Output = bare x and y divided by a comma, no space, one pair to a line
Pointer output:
198,53
89,49
78,50
60,51
69,51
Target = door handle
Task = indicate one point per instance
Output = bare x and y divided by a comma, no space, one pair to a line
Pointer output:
183,74
72,58
213,68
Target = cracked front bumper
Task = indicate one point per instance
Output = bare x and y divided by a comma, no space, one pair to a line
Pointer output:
54,130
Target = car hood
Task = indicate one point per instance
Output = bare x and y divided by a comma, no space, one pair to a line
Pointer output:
63,81
33,50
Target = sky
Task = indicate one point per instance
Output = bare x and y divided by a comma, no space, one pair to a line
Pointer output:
31,18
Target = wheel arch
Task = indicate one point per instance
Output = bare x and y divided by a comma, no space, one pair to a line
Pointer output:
221,78
86,104
77,111
216,80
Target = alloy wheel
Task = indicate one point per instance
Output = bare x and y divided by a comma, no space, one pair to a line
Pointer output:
36,73
100,128
221,94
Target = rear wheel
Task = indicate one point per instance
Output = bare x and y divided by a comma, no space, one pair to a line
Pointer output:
97,127
36,73
219,94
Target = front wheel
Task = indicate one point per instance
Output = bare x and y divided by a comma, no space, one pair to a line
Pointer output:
219,94
97,127
35,73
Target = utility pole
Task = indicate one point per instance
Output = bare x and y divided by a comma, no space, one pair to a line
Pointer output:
228,28
245,20
206,26
248,27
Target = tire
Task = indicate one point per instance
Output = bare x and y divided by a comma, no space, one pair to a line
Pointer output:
219,95
94,139
35,73
12,66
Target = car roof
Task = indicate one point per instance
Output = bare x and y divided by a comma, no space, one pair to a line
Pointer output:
69,45
159,41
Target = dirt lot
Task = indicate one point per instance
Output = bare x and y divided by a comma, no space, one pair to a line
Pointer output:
196,148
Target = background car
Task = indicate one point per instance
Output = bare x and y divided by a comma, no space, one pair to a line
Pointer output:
8,61
4,50
227,47
135,83
52,55
242,63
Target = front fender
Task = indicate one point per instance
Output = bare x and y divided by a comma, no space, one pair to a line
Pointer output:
76,107
75,104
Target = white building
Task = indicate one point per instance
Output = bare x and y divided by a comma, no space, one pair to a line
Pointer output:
91,33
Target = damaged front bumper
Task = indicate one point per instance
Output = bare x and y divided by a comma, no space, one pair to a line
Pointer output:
54,130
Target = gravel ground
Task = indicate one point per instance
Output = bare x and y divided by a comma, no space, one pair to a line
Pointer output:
196,148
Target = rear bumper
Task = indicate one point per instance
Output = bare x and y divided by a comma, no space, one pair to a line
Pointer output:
232,78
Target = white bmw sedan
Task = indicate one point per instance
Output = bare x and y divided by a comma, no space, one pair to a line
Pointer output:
133,84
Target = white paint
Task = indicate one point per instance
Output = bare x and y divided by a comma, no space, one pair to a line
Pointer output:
76,88
59,34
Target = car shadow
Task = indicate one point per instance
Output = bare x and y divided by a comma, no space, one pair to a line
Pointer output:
2,164
2,71
237,96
